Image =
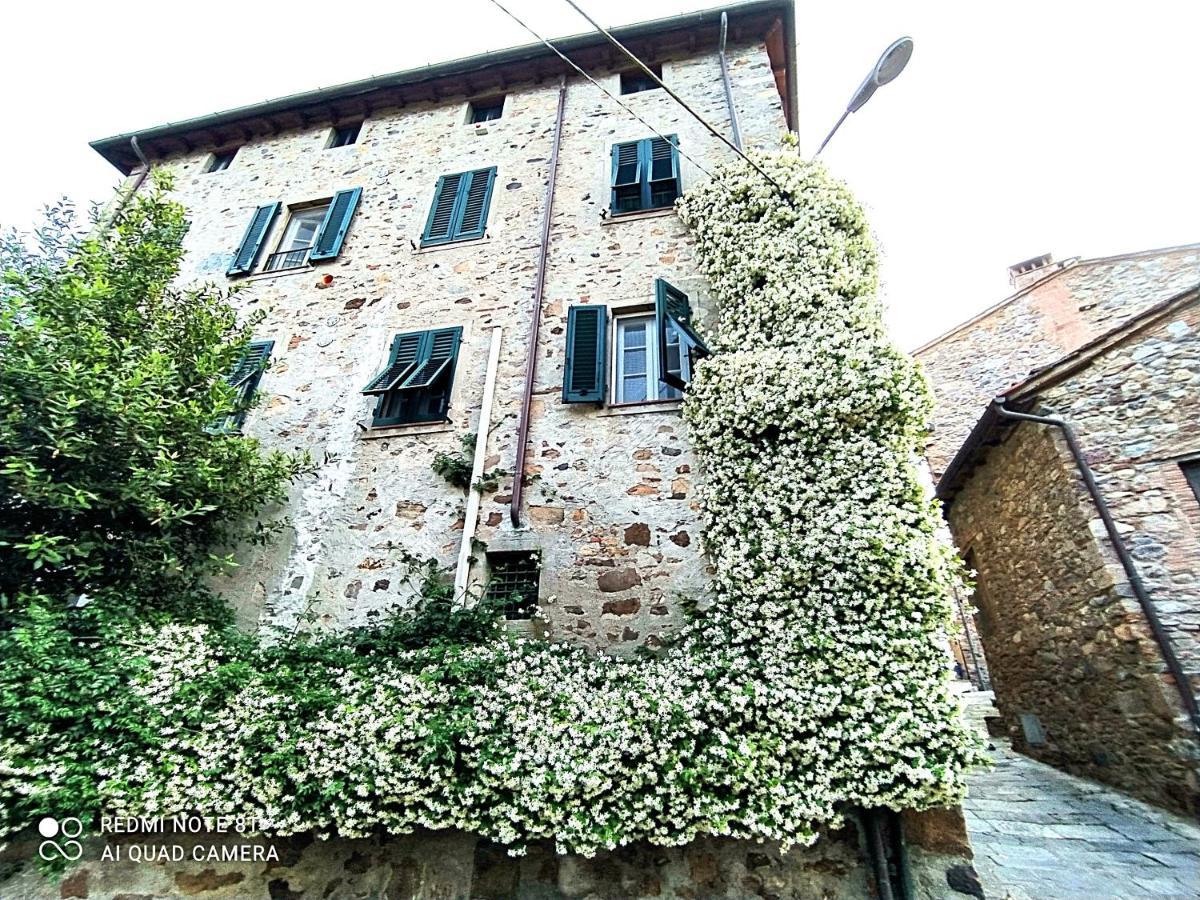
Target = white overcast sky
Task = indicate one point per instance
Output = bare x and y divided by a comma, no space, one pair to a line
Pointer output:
1018,128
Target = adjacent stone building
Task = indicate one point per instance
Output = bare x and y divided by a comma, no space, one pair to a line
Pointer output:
480,259
1067,616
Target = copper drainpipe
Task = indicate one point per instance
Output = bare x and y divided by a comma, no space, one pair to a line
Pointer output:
535,316
141,177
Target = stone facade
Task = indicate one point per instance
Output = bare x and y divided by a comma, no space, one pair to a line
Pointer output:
1065,637
1052,313
609,497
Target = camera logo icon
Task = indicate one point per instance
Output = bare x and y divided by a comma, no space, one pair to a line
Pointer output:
65,829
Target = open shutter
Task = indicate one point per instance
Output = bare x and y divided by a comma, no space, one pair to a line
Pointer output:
479,195
672,309
438,357
406,352
441,214
245,377
586,362
626,177
663,174
252,240
337,221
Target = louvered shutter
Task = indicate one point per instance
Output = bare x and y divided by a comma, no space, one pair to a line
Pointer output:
478,188
671,308
586,362
663,171
441,214
437,358
252,240
626,175
337,221
245,378
405,354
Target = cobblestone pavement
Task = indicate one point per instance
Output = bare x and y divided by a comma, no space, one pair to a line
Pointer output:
1040,834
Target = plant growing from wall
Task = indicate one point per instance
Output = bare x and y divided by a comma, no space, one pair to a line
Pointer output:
814,681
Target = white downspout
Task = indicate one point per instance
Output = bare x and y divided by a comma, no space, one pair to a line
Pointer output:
481,442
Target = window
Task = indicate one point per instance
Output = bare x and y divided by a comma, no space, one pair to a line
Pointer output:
653,355
635,81
645,174
486,110
221,160
1191,471
514,580
637,366
313,233
415,384
298,238
244,380
344,135
460,207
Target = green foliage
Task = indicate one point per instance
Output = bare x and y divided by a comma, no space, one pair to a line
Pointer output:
456,467
109,378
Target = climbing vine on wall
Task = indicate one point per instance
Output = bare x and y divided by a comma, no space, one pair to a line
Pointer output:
815,681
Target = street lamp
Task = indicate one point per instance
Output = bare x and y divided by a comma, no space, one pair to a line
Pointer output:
890,64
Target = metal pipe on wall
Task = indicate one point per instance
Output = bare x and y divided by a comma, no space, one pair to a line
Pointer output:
471,517
535,315
733,118
1182,682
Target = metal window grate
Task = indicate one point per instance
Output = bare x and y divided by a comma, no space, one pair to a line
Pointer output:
288,259
514,580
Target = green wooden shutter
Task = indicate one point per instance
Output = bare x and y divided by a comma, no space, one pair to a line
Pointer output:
439,353
441,215
671,308
252,240
337,221
245,378
478,188
626,176
662,171
405,354
586,359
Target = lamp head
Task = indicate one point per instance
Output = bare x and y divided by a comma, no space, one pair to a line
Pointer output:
890,64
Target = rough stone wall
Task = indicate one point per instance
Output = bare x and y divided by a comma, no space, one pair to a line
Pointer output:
1037,326
1065,637
609,493
457,866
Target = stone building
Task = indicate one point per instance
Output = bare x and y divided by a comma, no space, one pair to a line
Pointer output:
481,257
1093,643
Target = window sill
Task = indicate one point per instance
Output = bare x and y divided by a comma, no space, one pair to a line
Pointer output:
613,218
387,431
307,268
449,245
650,406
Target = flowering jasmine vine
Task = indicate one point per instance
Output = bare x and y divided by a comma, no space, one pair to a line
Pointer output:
815,681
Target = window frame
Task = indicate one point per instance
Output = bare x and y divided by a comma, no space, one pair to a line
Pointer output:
486,103
294,214
657,391
352,131
221,160
639,80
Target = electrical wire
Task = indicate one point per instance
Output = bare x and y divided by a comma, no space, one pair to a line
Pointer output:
609,94
670,93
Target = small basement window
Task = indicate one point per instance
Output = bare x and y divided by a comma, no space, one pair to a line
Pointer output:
486,110
344,135
635,81
513,580
221,160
